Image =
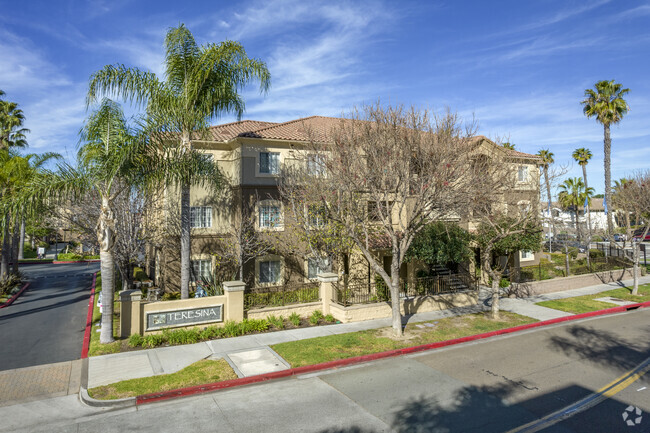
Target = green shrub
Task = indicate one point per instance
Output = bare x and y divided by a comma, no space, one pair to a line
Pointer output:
139,274
383,293
294,318
596,253
329,318
135,340
43,244
276,322
171,296
69,256
152,340
181,336
9,285
211,332
232,329
315,317
253,325
573,252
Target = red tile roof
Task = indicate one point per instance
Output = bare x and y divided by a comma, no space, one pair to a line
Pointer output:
318,128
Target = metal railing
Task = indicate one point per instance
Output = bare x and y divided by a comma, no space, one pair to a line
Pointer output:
278,296
364,293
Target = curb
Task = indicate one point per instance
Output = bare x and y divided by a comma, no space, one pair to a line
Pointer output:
114,404
14,297
200,389
63,262
89,320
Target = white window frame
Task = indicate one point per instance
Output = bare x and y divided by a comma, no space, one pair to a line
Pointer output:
201,217
526,256
319,270
318,221
205,268
274,169
259,263
260,206
523,174
316,165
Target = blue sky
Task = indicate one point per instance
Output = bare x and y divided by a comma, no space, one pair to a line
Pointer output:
519,67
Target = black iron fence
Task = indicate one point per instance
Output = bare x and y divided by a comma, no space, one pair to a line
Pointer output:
364,293
279,296
615,250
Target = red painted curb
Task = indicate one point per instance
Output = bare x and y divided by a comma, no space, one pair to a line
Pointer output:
14,297
89,320
199,389
56,262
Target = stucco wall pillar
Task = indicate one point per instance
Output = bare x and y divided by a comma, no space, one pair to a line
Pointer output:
327,281
130,312
234,291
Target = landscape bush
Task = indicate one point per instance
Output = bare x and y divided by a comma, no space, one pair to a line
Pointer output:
593,253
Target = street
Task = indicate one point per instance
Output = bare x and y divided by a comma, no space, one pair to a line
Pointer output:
493,385
46,323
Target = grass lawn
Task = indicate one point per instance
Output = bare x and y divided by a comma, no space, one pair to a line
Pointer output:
585,304
330,348
95,347
199,373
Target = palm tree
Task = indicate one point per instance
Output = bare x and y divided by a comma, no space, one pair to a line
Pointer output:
547,160
12,134
606,103
573,194
200,84
509,145
582,156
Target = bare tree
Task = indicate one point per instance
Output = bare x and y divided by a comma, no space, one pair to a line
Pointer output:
380,175
633,197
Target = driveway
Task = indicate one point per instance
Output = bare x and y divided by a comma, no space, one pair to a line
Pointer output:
46,323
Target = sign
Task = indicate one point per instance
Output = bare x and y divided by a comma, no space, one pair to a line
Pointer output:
40,251
186,317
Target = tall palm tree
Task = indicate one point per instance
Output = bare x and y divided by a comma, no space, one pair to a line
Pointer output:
200,84
573,194
509,145
606,103
547,160
582,156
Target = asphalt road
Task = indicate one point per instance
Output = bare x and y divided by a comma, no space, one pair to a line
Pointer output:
46,323
494,385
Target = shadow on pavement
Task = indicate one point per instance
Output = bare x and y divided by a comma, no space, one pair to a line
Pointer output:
74,300
602,347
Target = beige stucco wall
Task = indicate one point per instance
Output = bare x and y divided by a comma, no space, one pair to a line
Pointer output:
576,281
356,313
303,310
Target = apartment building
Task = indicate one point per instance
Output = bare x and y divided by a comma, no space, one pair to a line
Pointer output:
251,155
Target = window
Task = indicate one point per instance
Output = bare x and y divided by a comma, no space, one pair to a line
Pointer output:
316,215
270,216
201,216
522,174
315,165
201,269
318,265
269,271
208,157
527,255
269,162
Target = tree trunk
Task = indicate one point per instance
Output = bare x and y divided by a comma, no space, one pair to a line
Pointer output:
608,180
635,269
108,280
394,296
496,280
185,242
566,259
4,265
21,245
106,241
584,175
550,211
15,240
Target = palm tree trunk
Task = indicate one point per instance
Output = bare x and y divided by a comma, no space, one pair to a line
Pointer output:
15,240
550,214
608,180
185,242
21,246
106,241
108,280
4,265
584,176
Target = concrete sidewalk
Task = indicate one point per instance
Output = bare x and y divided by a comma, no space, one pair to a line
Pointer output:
250,355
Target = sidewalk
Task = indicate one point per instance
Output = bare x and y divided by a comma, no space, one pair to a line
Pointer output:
250,355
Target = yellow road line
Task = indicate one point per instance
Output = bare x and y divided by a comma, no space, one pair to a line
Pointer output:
607,391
